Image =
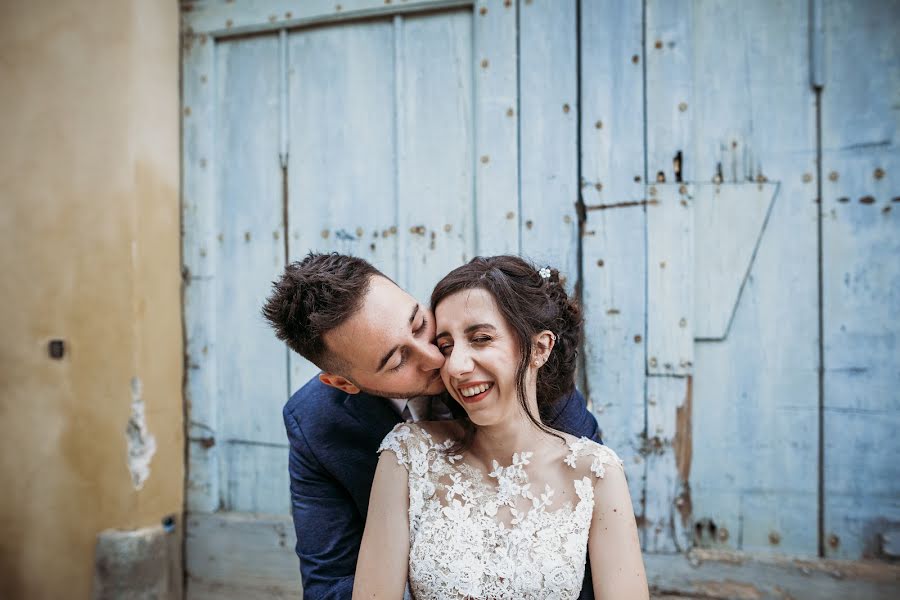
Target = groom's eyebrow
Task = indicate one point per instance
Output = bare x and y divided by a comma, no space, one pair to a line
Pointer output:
390,353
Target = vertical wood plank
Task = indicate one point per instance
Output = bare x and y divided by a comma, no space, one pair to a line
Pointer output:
435,137
496,117
670,87
755,393
670,273
252,366
613,251
861,276
342,134
199,246
549,136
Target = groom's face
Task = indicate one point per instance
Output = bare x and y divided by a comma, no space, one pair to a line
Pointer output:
388,345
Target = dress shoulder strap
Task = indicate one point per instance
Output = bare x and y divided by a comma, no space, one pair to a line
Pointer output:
600,456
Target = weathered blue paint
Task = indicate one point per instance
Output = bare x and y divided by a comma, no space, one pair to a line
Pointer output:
861,276
613,248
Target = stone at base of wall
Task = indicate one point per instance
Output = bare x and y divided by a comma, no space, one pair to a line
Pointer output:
142,564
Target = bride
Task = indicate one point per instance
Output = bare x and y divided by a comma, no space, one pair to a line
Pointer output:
496,504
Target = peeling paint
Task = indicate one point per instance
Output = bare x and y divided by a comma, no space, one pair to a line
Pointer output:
141,443
683,446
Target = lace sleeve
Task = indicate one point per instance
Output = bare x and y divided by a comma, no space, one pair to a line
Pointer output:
398,441
601,456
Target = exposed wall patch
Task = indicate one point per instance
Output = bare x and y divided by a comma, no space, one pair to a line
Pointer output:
141,443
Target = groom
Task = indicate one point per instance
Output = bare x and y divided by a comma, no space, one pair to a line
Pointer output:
373,344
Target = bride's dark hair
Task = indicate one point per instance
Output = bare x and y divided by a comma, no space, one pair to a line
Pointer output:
530,303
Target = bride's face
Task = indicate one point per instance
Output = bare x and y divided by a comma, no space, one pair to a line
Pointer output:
481,355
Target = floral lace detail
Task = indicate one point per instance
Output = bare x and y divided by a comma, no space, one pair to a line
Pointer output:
478,536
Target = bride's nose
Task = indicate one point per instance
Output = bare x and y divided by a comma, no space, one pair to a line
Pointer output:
459,363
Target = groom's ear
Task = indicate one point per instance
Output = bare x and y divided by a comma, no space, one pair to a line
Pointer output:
339,382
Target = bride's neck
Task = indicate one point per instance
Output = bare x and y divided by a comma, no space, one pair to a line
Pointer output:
512,435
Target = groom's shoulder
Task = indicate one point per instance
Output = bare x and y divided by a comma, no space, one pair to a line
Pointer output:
314,401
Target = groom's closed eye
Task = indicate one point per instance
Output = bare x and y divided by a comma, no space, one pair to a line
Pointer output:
403,350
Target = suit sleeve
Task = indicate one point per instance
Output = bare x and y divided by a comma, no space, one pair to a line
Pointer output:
572,416
327,523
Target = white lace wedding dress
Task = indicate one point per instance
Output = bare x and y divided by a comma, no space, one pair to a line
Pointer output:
498,535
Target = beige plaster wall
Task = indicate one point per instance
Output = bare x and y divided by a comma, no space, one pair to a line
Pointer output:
89,253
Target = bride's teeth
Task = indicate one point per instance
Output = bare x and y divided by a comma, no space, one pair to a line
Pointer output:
474,391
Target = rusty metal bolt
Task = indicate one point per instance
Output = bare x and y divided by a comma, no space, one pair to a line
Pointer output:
276,235
482,11
598,125
359,231
635,59
484,63
598,186
682,189
879,173
507,3
723,534
448,227
637,339
325,234
637,178
567,219
288,15
834,541
833,176
807,178
566,108
662,264
393,229
485,159
653,361
510,215
682,106
529,224
682,323
658,45
867,200
510,112
338,8
246,236
600,262
774,538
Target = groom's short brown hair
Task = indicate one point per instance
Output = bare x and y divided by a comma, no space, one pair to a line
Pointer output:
314,296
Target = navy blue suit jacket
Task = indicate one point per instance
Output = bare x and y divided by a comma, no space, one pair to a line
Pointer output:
334,438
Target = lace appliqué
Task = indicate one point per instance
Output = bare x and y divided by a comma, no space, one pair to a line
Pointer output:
461,548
